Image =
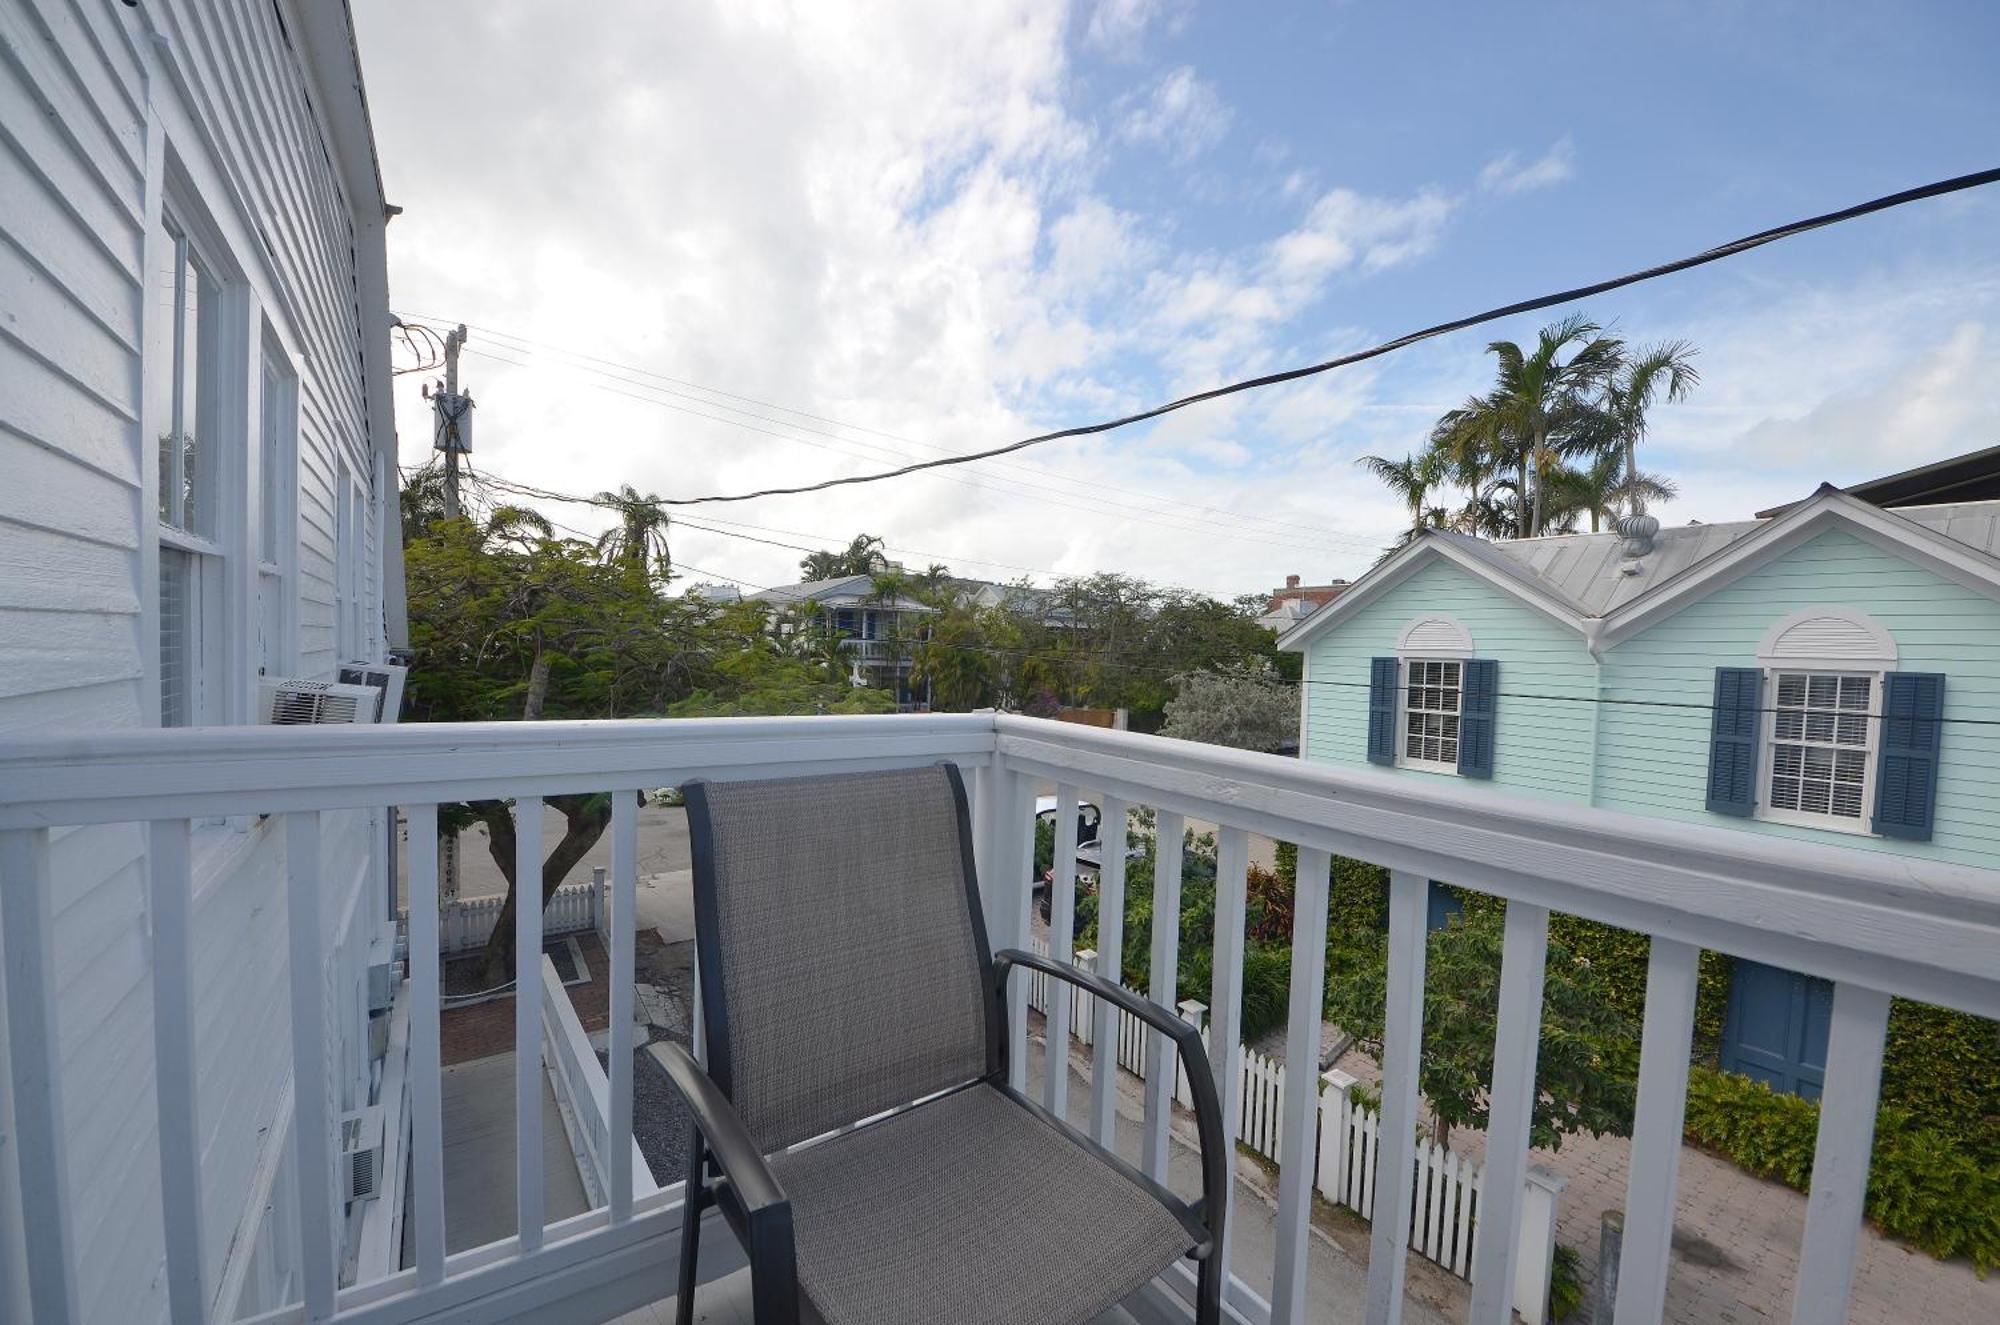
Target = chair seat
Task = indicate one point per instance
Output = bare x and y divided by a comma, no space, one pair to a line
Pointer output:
970,1209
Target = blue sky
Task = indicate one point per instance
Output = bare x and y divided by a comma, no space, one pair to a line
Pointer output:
942,227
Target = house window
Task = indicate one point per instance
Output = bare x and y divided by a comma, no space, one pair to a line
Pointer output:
1431,698
1822,745
181,386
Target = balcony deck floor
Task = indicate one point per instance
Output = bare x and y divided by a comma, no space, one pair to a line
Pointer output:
727,1302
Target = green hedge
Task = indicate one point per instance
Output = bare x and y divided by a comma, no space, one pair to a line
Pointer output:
1923,1187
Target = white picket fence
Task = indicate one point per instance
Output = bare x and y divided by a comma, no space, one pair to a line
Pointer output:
1444,1216
467,922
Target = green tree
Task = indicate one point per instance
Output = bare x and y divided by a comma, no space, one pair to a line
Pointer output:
1246,709
1662,371
1547,396
1412,478
639,539
1586,1067
863,555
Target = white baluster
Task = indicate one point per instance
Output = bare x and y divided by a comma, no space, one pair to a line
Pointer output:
1409,896
1301,1106
624,935
1062,925
172,896
1846,1142
1110,965
1667,1039
1516,1044
530,1210
1163,1063
34,1063
1225,1009
312,1084
426,1064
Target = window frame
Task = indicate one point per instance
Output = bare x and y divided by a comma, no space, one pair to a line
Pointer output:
206,549
274,519
1862,825
1403,711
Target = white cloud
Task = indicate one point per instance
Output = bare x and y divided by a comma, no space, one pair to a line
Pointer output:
1182,114
1119,27
1506,173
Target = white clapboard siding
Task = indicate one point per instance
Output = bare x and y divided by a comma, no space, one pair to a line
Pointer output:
74,213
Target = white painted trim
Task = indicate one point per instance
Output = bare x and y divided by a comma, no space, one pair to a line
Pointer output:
1825,510
1386,575
1771,651
1442,636
1767,753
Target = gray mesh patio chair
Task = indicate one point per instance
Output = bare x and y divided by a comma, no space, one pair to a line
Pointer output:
854,1124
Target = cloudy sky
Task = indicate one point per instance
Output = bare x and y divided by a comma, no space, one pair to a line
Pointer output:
707,247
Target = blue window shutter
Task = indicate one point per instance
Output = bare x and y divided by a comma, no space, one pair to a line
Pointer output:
1732,741
1906,768
1383,677
1479,701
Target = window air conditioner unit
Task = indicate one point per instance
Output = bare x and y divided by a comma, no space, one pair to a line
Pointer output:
385,677
361,1134
289,702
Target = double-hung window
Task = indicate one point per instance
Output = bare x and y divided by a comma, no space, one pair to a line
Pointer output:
1822,741
1432,696
182,384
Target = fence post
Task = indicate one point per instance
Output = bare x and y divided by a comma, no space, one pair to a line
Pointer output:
1534,1262
1082,1018
1194,1012
1333,1100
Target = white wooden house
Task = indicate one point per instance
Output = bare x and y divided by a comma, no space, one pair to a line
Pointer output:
191,248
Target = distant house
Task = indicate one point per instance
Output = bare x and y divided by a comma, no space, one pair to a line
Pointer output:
1812,676
714,593
1295,602
199,450
873,629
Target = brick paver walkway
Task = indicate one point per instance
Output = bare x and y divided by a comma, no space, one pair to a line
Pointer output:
1736,1241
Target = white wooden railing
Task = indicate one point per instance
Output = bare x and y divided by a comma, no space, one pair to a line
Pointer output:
1875,924
1346,1147
583,1094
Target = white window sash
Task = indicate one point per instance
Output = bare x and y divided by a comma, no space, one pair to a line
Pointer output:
1861,824
1404,759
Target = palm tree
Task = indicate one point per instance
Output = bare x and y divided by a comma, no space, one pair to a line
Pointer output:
639,539
1547,397
862,556
1600,488
1472,444
1412,479
1663,369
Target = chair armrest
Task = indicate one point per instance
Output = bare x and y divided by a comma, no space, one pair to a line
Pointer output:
765,1226
1215,1154
756,1187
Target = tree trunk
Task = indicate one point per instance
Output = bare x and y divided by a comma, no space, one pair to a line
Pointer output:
585,817
538,682
1535,462
1521,498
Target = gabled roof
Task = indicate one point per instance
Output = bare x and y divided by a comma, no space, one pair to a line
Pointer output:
842,591
1586,581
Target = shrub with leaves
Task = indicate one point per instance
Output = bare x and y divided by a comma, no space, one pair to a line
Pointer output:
1241,707
1922,1187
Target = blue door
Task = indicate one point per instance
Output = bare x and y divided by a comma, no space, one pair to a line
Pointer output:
1444,904
1776,1029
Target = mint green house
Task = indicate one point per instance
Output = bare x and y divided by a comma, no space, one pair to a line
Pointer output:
1831,674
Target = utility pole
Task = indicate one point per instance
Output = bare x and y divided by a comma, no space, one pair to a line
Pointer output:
452,343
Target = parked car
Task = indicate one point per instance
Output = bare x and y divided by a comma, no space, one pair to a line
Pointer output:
1089,850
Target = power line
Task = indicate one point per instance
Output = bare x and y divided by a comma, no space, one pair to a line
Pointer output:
1336,542
1716,254
530,344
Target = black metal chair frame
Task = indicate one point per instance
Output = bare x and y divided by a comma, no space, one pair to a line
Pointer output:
727,1170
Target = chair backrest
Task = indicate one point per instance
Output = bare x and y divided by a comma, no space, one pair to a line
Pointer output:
844,962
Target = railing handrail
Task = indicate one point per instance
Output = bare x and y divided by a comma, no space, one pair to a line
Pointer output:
148,774
1922,928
